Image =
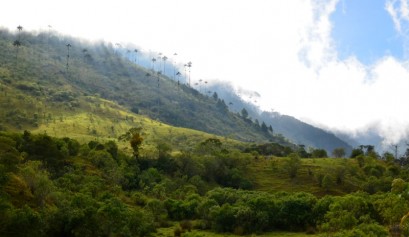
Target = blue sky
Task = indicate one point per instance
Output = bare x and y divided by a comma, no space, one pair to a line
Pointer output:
363,28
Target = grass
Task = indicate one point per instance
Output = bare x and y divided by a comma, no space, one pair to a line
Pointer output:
93,118
269,174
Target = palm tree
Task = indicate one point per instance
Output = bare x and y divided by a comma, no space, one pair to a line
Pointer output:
185,65
160,62
189,65
19,28
178,74
48,39
153,64
118,45
164,58
159,73
68,54
128,53
174,63
136,56
17,44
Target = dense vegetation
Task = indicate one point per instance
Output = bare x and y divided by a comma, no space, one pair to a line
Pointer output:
59,187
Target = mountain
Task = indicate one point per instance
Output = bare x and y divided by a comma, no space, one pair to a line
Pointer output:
47,78
52,75
297,131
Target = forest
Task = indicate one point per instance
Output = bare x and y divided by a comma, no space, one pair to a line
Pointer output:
60,187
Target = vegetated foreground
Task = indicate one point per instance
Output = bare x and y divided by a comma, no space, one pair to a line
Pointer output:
60,187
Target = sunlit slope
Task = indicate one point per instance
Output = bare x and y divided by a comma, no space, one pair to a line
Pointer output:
92,118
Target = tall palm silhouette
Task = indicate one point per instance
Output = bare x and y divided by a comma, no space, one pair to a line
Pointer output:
174,64
48,40
153,64
17,44
159,73
178,74
19,28
185,65
118,46
189,65
68,54
160,61
136,56
164,58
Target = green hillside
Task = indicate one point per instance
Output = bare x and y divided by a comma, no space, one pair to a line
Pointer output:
41,86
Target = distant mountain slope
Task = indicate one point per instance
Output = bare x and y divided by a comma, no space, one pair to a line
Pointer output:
57,73
297,131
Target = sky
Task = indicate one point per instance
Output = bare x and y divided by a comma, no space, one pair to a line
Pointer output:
342,65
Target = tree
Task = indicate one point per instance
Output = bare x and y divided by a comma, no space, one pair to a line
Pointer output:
178,74
68,54
136,55
17,44
215,96
264,127
293,164
327,182
356,152
136,142
164,58
338,152
244,113
135,139
153,63
189,65
319,153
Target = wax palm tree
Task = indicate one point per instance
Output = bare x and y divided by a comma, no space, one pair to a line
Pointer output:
19,28
178,74
164,58
118,45
17,44
174,63
68,54
189,65
153,64
136,56
185,65
48,40
159,73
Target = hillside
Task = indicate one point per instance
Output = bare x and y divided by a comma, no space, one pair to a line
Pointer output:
295,130
39,84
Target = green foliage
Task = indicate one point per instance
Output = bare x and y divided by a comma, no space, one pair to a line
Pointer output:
319,153
292,165
338,152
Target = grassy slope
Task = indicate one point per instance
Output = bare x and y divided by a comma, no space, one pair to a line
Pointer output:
269,175
38,69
